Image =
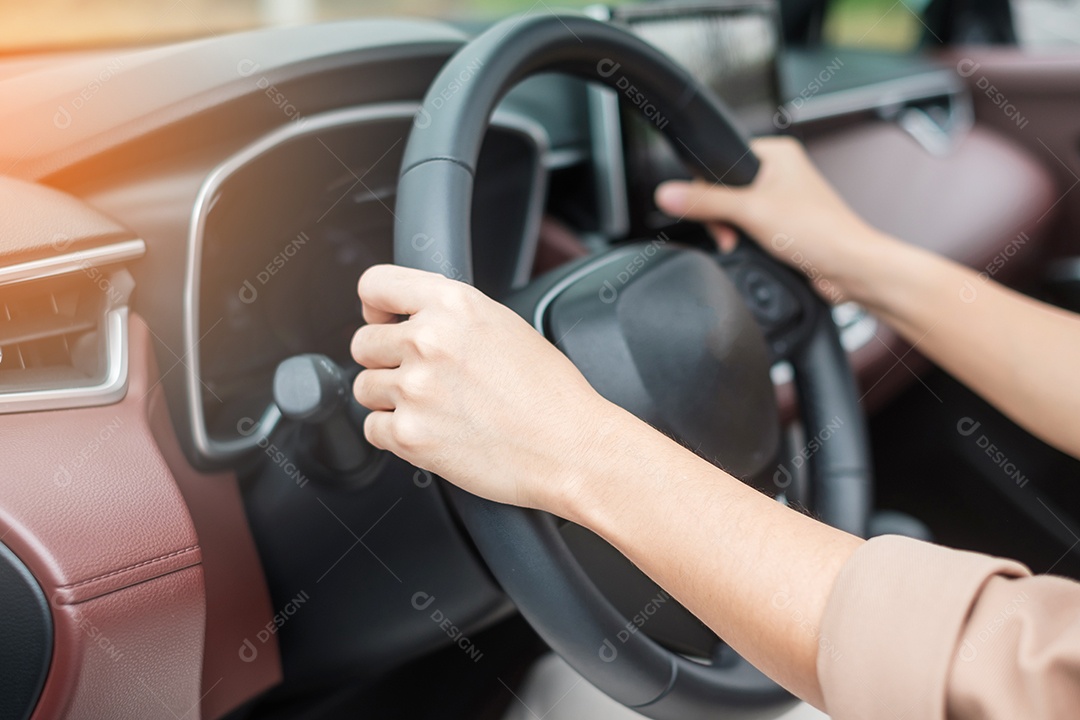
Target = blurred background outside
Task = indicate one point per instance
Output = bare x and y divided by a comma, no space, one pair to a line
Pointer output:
51,24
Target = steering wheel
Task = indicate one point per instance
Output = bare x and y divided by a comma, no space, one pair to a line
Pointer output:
674,335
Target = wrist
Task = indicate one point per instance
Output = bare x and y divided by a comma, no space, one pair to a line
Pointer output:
584,475
861,270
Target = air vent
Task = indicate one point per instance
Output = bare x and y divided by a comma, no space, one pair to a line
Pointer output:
46,328
63,333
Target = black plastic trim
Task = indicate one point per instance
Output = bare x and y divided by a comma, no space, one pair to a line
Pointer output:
26,637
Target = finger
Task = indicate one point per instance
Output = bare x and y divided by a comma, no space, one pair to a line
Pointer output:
376,389
726,237
388,291
699,200
773,145
377,429
378,346
375,316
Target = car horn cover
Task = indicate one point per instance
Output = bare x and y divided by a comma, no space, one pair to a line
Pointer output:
665,334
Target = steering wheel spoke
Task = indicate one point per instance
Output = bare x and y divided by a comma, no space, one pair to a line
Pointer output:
781,301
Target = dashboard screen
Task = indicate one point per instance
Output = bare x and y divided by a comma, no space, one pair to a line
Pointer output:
732,48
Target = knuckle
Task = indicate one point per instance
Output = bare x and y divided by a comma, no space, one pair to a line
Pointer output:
407,432
457,297
426,341
416,384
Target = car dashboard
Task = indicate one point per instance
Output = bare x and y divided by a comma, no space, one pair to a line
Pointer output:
259,173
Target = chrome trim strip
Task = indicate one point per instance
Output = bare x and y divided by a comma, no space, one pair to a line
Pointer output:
72,262
111,389
608,161
588,268
224,450
113,386
876,96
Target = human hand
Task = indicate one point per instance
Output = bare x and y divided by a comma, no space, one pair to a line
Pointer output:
790,210
468,390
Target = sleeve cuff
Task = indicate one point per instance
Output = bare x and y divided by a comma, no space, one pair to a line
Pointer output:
892,623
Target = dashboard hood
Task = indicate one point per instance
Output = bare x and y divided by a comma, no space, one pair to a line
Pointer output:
73,108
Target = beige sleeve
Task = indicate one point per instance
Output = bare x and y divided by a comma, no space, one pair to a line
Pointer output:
921,632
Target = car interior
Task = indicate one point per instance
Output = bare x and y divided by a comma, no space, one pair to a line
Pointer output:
192,523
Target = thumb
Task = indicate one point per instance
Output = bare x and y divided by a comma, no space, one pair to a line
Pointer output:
699,200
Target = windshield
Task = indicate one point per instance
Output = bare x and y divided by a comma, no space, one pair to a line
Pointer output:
47,24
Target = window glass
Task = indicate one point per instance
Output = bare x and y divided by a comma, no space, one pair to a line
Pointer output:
28,24
874,24
1047,23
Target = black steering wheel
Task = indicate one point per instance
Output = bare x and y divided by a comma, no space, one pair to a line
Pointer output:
672,334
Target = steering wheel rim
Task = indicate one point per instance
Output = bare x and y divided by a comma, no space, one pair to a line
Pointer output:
523,548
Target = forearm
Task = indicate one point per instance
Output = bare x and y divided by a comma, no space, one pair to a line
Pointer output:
1017,353
756,572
